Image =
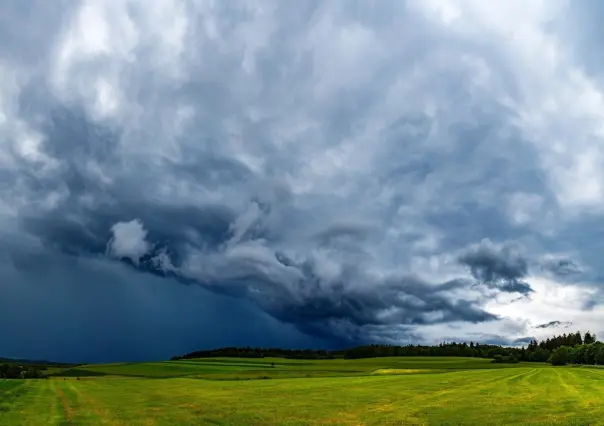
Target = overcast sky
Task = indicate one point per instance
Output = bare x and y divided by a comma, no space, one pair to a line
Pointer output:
179,175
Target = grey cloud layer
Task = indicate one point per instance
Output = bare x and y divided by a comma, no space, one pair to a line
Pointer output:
354,170
500,267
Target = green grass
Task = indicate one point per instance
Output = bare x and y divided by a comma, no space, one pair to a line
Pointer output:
9,392
237,368
378,391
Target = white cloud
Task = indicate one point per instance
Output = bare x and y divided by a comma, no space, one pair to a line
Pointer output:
559,107
128,240
552,301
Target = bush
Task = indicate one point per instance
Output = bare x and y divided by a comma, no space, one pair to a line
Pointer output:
500,359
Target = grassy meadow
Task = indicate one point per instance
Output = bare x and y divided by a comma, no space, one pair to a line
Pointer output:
375,391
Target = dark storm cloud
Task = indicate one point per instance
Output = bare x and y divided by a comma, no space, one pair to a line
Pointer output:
343,232
555,324
562,267
523,340
497,266
320,163
106,312
227,250
397,302
298,293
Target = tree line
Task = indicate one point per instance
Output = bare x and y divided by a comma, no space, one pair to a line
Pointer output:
16,371
535,351
249,352
587,353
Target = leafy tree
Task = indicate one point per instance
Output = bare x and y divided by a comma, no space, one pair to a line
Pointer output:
31,373
4,370
589,338
598,353
590,354
578,354
539,355
13,372
560,356
578,338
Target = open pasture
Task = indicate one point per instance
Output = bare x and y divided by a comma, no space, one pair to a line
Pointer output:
274,368
378,391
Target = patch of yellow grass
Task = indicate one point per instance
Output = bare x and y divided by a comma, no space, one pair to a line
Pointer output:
398,371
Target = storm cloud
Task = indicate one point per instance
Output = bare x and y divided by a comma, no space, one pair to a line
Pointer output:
562,267
555,324
325,290
502,267
334,172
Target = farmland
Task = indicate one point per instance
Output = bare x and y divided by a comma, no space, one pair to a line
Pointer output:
375,391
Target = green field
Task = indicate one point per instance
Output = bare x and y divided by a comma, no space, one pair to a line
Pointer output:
377,391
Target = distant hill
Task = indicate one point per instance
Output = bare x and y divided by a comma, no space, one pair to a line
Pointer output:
33,362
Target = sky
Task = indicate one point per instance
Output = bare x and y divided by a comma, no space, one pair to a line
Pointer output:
181,175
